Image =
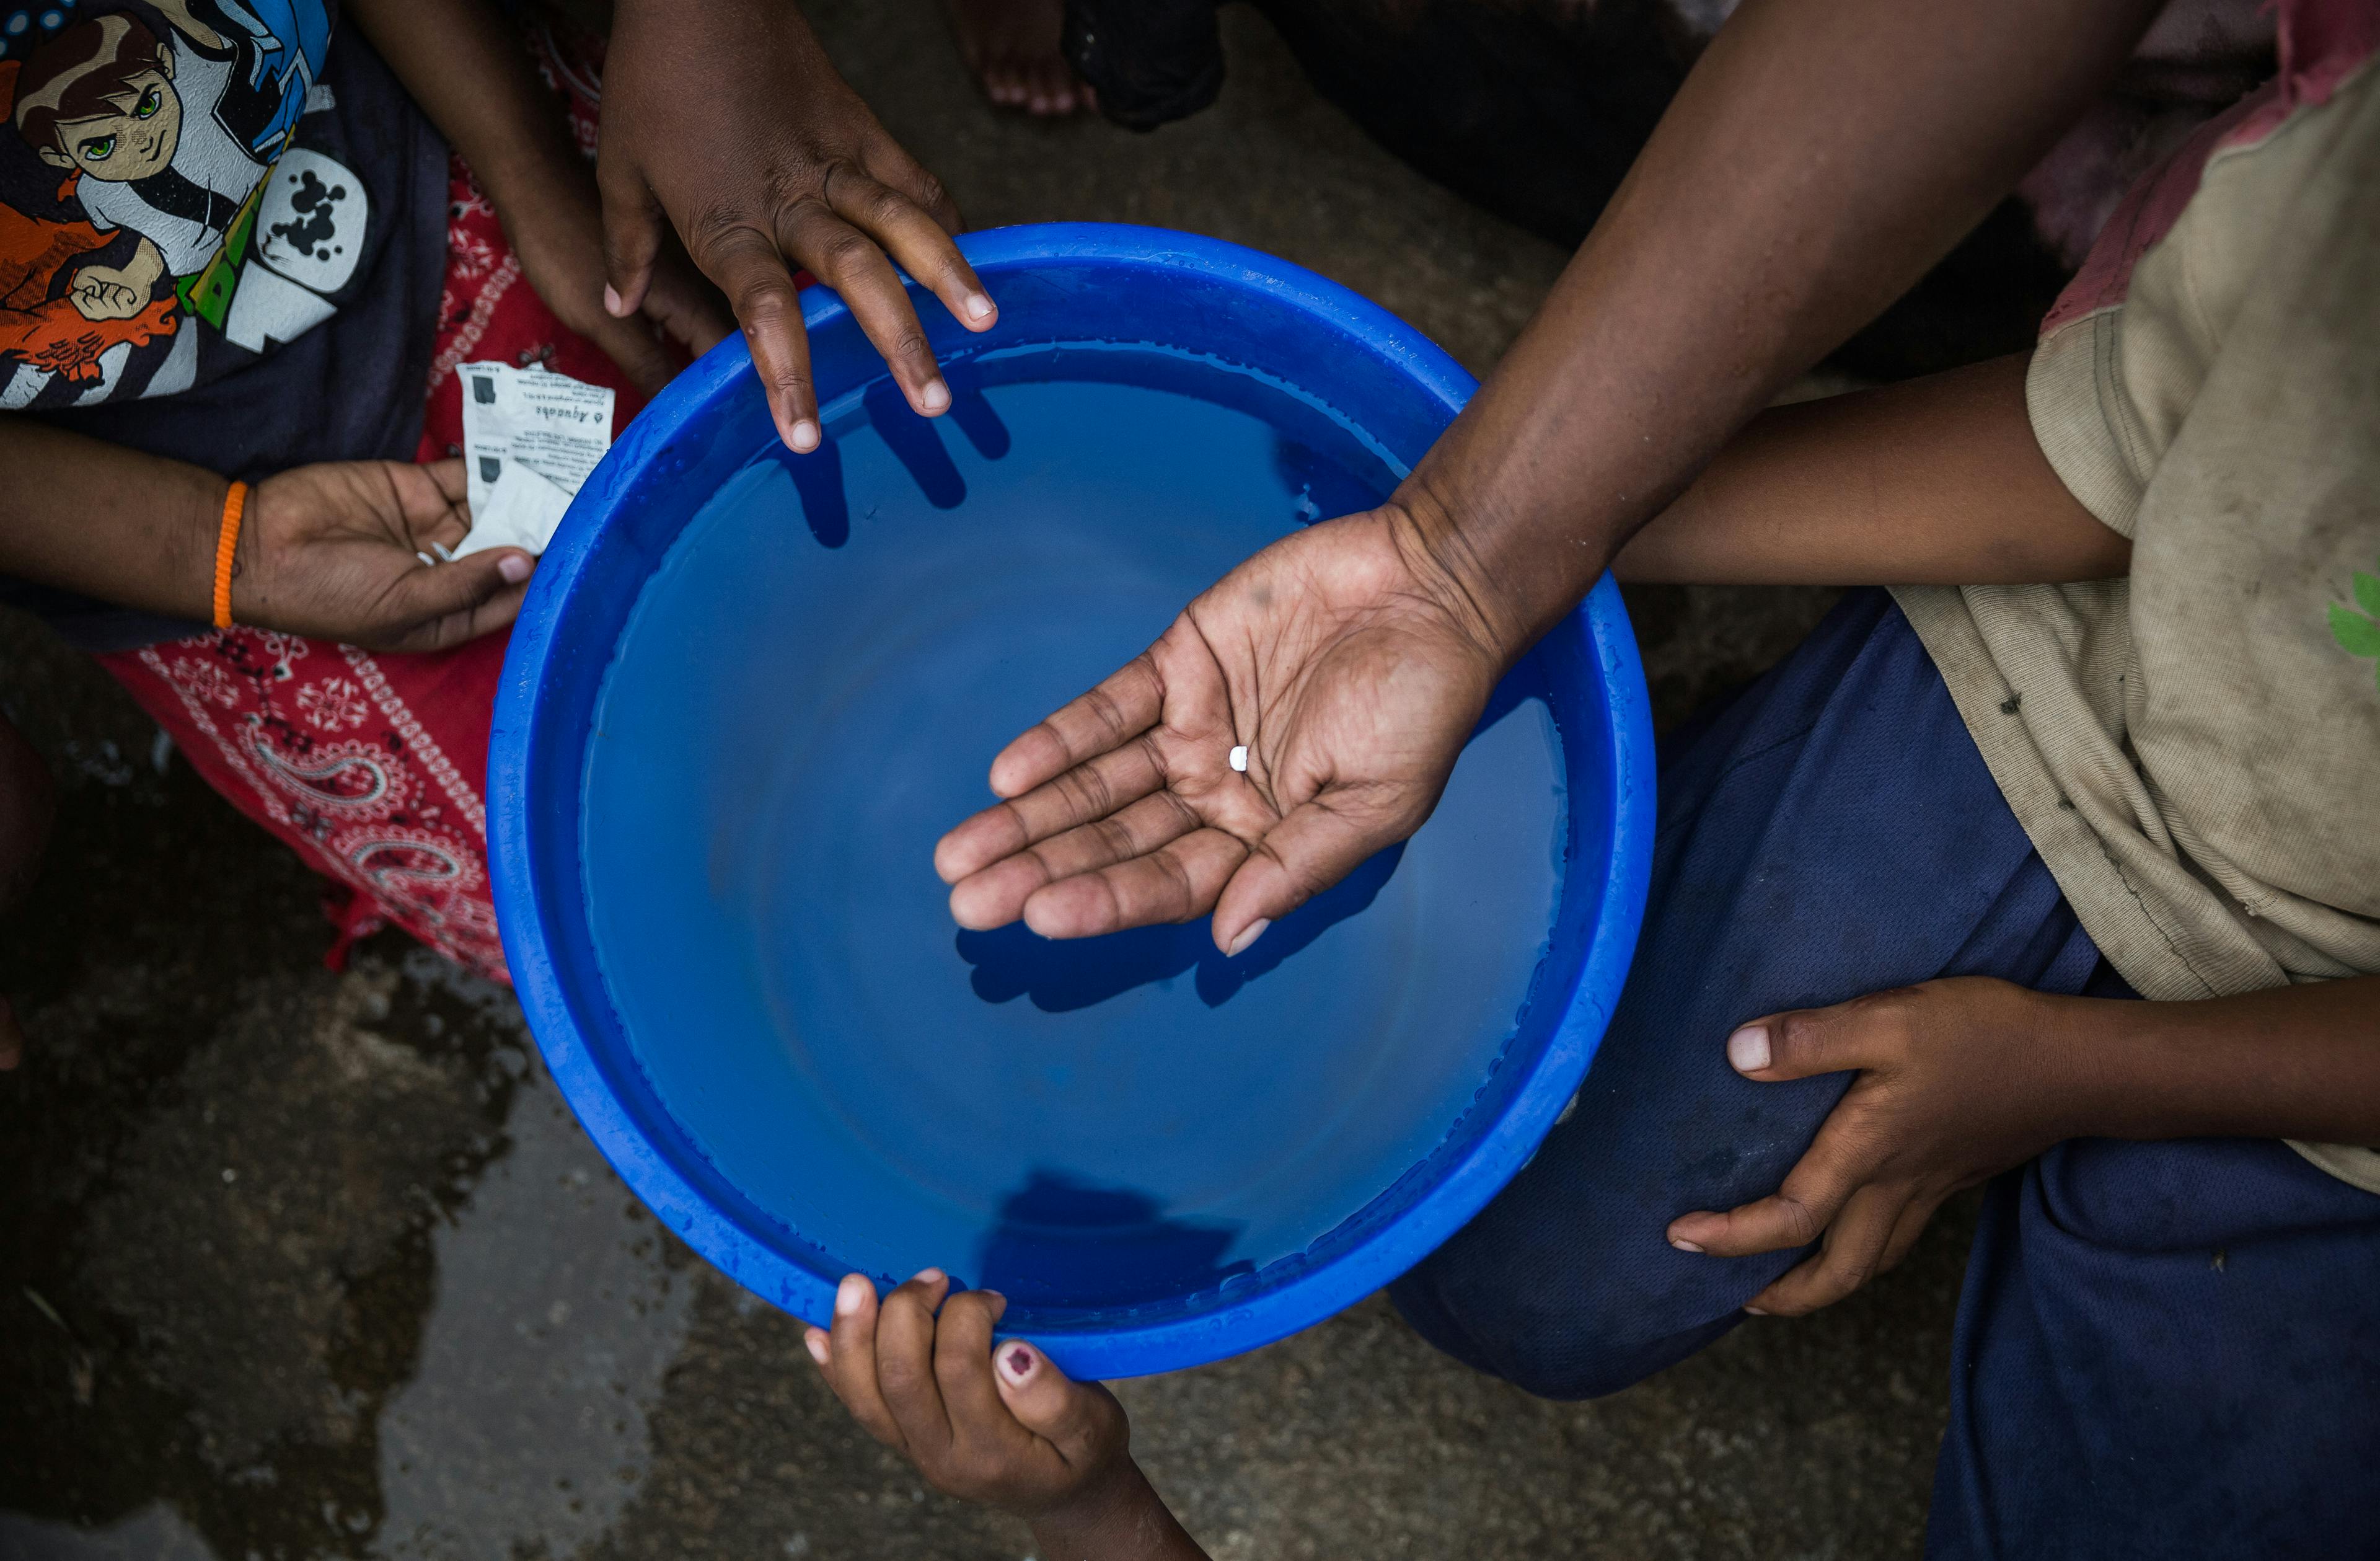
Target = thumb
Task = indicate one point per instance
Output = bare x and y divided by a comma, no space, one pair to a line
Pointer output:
1081,1420
632,237
443,604
1319,843
1801,1043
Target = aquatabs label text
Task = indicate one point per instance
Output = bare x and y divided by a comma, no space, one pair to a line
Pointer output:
529,438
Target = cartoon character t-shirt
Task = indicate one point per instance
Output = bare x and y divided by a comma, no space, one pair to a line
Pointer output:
221,235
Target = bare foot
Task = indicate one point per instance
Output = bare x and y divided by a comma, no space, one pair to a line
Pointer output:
1011,47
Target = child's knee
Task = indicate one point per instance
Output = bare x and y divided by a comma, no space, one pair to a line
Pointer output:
1565,1323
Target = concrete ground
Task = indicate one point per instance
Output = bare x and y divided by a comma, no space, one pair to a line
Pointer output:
295,1264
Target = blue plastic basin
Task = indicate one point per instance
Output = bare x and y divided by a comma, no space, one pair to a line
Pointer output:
749,690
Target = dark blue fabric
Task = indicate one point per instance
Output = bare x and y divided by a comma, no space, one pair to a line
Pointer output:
2166,1350
1830,833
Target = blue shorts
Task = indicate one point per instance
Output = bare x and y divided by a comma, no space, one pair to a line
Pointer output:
2162,1349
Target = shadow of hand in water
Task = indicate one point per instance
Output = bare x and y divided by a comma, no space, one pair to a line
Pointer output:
917,443
1062,1242
1060,976
817,481
817,476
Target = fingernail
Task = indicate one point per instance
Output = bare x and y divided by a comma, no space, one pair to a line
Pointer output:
1681,1244
928,1276
1016,1364
935,396
817,1342
1754,1311
1747,1049
1248,934
850,1296
978,307
612,300
806,437
513,567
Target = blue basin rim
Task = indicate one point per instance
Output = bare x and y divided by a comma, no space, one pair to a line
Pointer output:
542,935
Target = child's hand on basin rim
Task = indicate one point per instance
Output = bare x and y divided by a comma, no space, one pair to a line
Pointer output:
994,1420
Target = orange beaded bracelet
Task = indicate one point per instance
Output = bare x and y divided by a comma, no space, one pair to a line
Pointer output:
235,505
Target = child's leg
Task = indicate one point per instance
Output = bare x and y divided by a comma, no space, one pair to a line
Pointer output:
370,766
2165,1349
1830,834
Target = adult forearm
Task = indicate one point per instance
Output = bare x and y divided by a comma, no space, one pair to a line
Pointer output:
1819,157
2299,1062
86,516
1934,482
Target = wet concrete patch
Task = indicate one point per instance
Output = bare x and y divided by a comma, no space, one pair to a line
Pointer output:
262,1217
560,1303
249,1279
354,1285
